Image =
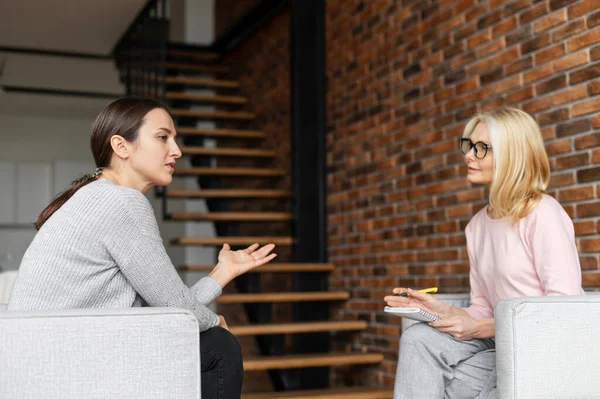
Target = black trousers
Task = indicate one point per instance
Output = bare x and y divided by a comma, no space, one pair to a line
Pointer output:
221,364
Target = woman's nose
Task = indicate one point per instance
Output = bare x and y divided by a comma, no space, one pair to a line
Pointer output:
176,150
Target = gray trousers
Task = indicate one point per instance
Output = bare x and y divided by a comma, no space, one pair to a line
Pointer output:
434,365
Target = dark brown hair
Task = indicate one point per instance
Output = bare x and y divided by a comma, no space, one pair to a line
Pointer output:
122,117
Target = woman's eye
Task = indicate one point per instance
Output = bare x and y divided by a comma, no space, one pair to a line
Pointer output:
163,138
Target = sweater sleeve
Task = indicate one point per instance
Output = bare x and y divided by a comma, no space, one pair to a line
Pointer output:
134,242
552,238
480,307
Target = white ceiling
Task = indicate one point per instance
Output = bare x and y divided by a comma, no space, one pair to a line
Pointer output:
88,26
83,26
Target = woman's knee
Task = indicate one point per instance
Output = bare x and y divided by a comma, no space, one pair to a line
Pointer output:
418,333
220,341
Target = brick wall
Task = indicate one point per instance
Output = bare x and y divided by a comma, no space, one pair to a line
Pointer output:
227,12
404,77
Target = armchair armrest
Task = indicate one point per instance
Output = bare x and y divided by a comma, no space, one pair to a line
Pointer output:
100,353
547,347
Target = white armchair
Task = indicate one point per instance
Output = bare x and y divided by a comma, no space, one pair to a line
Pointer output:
546,347
99,353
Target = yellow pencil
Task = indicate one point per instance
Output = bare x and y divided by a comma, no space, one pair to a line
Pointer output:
424,291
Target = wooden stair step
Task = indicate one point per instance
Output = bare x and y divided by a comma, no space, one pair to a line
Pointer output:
332,393
231,240
231,193
197,68
203,82
309,360
225,171
232,216
220,133
270,297
203,98
197,55
236,115
304,327
270,268
226,151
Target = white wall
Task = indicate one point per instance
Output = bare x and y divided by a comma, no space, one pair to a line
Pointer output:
50,134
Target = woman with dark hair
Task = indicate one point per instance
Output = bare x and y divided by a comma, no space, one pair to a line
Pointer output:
98,244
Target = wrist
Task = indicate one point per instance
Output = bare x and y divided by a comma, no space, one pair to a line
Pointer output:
221,276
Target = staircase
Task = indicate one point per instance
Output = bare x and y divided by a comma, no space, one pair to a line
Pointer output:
286,304
191,70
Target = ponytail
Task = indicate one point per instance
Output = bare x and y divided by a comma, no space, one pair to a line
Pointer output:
64,197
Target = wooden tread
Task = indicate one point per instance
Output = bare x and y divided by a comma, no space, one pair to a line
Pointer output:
220,133
232,216
197,68
198,55
263,297
309,360
236,115
332,393
270,268
203,98
227,152
231,193
224,171
236,241
304,327
203,82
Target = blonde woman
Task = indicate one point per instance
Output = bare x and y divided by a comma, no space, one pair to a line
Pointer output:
521,244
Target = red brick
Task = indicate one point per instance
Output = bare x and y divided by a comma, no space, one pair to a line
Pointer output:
589,245
505,26
571,61
587,141
584,40
518,96
571,161
585,227
491,47
590,279
569,29
562,179
588,210
582,7
550,53
577,194
479,38
559,147
550,20
589,262
586,107
533,13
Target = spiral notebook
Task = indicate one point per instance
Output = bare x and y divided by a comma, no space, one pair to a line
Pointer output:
412,313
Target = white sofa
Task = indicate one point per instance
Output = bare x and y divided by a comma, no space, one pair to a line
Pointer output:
546,347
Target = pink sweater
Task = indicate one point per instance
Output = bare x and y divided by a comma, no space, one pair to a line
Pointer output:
535,257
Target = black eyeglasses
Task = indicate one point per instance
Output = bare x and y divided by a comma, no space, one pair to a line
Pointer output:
480,147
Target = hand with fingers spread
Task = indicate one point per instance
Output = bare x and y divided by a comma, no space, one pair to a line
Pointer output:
235,263
417,299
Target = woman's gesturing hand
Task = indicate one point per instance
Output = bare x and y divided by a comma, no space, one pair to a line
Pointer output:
234,263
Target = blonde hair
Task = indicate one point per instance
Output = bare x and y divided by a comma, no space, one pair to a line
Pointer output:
521,168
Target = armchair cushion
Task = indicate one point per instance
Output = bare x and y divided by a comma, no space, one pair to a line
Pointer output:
100,353
547,347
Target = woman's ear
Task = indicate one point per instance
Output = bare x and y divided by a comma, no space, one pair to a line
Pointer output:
120,146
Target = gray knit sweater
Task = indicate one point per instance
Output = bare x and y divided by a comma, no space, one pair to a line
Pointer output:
103,249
